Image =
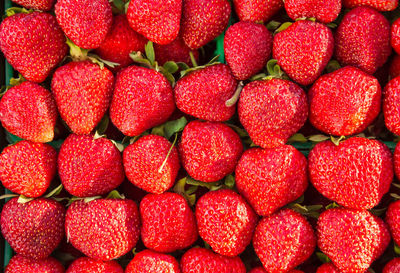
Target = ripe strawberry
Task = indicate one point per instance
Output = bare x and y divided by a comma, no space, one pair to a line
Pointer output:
43,5
363,39
323,11
33,229
168,223
393,220
271,178
19,36
142,99
119,42
176,51
201,260
352,239
395,36
157,20
261,269
89,265
20,264
144,163
303,50
327,268
85,22
283,240
203,20
88,166
225,221
394,70
258,11
209,150
340,172
29,111
396,161
82,101
247,47
103,229
148,261
392,267
344,102
214,85
380,5
391,110
271,111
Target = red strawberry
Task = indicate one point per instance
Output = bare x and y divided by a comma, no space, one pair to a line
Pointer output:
142,99
19,36
344,102
203,20
271,111
33,229
176,51
225,221
103,229
20,264
363,39
283,240
201,260
44,5
89,265
168,223
355,174
395,36
148,261
157,20
214,85
390,107
352,239
88,166
29,111
392,267
303,50
323,11
119,42
82,101
380,5
247,47
209,150
327,268
396,161
258,11
260,269
145,167
394,70
393,220
271,178
27,168
85,22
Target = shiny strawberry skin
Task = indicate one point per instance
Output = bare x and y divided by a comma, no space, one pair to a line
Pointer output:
380,5
176,51
259,269
19,36
391,110
143,98
323,11
20,264
393,220
29,111
395,36
392,266
148,261
33,229
327,268
271,111
396,161
247,47
89,265
43,5
394,70
257,11
168,223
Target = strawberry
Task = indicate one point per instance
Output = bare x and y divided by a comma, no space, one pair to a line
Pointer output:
271,111
201,260
392,267
142,99
82,101
176,51
43,5
396,160
29,111
89,265
380,5
203,20
352,239
395,36
209,150
260,269
362,39
85,22
283,240
144,163
271,178
33,44
88,166
303,50
340,172
344,102
327,268
247,47
103,229
258,11
393,220
119,42
391,100
157,20
323,11
168,223
20,264
148,261
33,229
394,70
225,221
214,85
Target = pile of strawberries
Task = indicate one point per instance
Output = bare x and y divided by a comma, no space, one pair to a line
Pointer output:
126,153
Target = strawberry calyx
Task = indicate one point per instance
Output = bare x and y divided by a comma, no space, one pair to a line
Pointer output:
13,82
22,199
308,211
115,195
195,67
14,10
274,71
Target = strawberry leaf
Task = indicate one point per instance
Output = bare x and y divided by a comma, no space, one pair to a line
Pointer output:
209,185
115,195
396,249
297,138
332,206
54,192
103,125
229,181
322,257
283,27
149,49
23,199
336,140
318,138
171,67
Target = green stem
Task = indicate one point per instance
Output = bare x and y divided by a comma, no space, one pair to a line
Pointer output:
169,152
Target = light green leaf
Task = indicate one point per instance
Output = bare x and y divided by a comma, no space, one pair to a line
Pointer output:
322,257
229,181
149,49
54,192
297,138
115,195
23,199
171,67
174,126
318,138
